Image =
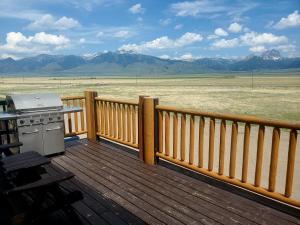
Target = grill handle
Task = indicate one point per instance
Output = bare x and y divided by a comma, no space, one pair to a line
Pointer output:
31,132
56,128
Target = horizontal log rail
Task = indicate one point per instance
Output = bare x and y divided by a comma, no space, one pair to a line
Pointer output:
177,139
75,123
233,117
117,101
117,121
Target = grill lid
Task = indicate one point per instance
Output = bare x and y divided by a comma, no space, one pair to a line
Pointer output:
33,102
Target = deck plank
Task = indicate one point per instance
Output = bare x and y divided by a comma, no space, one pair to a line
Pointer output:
79,171
96,208
152,196
167,194
232,202
156,194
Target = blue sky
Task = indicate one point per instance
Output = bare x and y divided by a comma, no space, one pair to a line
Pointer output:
168,29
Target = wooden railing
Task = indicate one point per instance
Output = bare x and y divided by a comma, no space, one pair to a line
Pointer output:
255,154
75,123
192,143
117,121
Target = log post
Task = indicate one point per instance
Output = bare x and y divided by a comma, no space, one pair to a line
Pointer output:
140,127
149,130
90,114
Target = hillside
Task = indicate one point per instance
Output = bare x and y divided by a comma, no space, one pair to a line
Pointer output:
124,63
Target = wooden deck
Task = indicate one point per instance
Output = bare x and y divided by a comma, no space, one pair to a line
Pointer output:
120,189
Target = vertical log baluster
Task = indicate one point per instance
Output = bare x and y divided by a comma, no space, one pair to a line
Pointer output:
191,155
124,122
233,148
222,146
211,144
69,119
274,158
119,121
201,141
102,117
175,130
65,125
291,163
106,118
259,155
98,117
160,131
115,119
75,103
246,152
167,133
110,118
128,123
182,142
82,115
134,125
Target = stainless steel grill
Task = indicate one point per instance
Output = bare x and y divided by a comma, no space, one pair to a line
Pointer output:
39,120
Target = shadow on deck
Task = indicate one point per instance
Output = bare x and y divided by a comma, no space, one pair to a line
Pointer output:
119,189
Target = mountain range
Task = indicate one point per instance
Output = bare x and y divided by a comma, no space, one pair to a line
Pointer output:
126,63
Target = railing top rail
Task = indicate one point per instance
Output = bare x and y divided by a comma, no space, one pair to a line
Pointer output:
117,101
233,117
72,97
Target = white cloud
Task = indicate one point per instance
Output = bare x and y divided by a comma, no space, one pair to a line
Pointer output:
164,57
188,38
289,49
223,43
186,57
235,27
89,5
19,45
82,40
107,33
99,34
178,26
136,9
122,34
48,22
220,32
212,36
195,8
293,20
165,22
255,39
164,42
258,49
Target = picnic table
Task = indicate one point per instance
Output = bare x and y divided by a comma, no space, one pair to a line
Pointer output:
29,191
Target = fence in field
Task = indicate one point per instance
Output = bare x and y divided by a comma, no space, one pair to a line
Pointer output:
252,153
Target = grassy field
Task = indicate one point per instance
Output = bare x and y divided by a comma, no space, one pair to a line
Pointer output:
276,97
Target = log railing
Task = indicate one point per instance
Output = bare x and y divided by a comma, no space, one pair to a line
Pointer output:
255,154
75,123
117,121
208,143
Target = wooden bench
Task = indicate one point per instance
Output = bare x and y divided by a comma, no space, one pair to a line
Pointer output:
29,192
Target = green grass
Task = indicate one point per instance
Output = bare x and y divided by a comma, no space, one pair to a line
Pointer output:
276,97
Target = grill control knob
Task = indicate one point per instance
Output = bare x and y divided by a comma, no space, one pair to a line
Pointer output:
50,119
21,121
58,118
31,121
41,120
